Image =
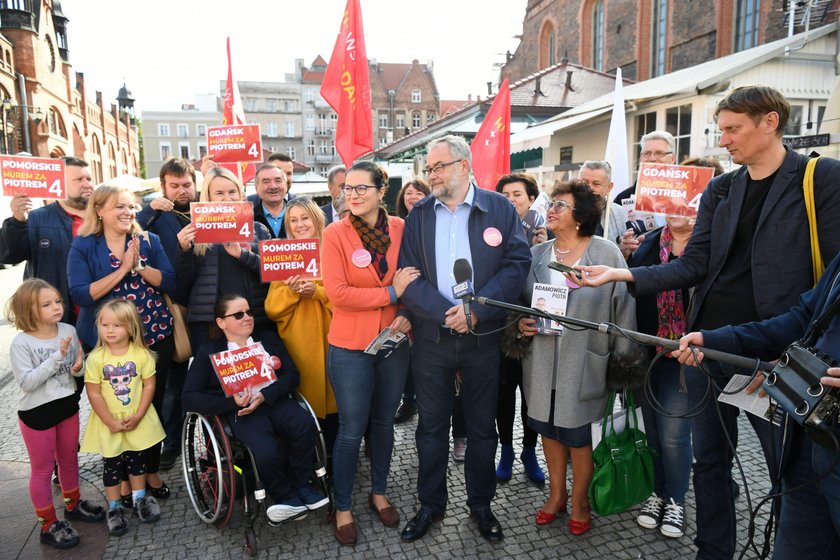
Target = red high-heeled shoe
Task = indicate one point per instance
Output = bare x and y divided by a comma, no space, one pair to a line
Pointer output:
578,528
544,518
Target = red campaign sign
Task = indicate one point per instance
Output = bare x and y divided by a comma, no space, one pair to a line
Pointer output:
248,366
283,258
32,177
222,222
673,190
234,143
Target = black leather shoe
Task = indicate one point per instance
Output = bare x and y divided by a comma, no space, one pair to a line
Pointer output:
419,524
488,525
405,412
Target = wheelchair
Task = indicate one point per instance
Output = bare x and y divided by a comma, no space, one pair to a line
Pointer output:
218,468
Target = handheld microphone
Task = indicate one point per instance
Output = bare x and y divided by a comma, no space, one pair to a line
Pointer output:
463,289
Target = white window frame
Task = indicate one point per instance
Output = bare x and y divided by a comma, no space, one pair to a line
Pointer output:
416,96
163,129
168,147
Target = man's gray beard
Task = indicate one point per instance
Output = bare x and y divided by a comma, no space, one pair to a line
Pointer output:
76,202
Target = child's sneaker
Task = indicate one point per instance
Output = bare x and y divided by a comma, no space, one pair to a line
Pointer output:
117,522
312,498
85,511
148,509
60,535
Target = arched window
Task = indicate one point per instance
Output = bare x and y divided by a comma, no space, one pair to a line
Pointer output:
659,38
56,123
124,163
112,161
96,159
547,46
598,35
746,24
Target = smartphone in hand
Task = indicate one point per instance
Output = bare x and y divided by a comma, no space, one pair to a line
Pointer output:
565,268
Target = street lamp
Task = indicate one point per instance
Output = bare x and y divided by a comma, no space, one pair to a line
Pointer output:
26,112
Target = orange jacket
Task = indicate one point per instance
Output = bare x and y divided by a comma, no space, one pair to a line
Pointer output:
361,302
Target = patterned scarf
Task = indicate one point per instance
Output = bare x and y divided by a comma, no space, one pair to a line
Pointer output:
672,322
375,240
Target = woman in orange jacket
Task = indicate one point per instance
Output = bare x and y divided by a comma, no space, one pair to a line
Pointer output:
363,283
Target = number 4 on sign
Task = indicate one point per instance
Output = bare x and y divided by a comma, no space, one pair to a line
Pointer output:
56,189
245,231
695,202
312,268
252,151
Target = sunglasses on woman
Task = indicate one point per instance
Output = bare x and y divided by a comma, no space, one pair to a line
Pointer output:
239,315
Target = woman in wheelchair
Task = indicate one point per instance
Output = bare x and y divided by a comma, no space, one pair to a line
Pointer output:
257,417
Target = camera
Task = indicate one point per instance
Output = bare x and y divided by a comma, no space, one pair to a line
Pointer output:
795,384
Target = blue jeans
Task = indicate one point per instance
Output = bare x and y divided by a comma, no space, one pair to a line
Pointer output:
670,438
435,365
715,510
809,525
365,387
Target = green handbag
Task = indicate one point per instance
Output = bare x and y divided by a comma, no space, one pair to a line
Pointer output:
623,464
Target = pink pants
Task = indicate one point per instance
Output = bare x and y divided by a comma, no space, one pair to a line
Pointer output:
59,444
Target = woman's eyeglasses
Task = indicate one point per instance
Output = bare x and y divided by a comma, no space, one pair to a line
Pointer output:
358,189
559,205
239,315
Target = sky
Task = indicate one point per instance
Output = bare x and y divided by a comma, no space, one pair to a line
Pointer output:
168,51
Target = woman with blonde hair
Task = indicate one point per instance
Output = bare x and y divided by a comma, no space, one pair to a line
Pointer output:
200,266
303,312
111,258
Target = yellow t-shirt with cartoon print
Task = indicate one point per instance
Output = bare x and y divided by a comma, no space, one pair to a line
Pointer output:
120,379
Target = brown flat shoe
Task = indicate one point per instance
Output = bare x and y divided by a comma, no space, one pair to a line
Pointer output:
389,516
346,534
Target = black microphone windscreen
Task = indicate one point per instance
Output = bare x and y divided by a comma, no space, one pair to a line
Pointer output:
462,270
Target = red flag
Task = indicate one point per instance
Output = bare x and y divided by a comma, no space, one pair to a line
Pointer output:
232,113
346,87
491,146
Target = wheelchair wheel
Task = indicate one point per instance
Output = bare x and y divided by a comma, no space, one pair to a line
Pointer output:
208,468
320,466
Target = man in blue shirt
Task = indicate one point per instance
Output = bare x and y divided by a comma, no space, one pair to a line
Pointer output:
270,204
459,221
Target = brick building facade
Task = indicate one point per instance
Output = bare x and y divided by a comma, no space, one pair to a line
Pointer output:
648,38
404,99
44,108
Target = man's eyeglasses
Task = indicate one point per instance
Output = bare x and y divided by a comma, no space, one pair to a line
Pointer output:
559,205
658,154
239,315
358,189
439,167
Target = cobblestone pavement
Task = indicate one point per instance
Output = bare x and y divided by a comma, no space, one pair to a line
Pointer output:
180,534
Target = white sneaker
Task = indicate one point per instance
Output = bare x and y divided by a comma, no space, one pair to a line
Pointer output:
459,449
651,514
673,520
282,512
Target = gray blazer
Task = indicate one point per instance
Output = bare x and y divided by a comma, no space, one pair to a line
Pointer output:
574,365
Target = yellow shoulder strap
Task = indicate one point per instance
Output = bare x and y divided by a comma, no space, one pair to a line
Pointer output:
808,186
